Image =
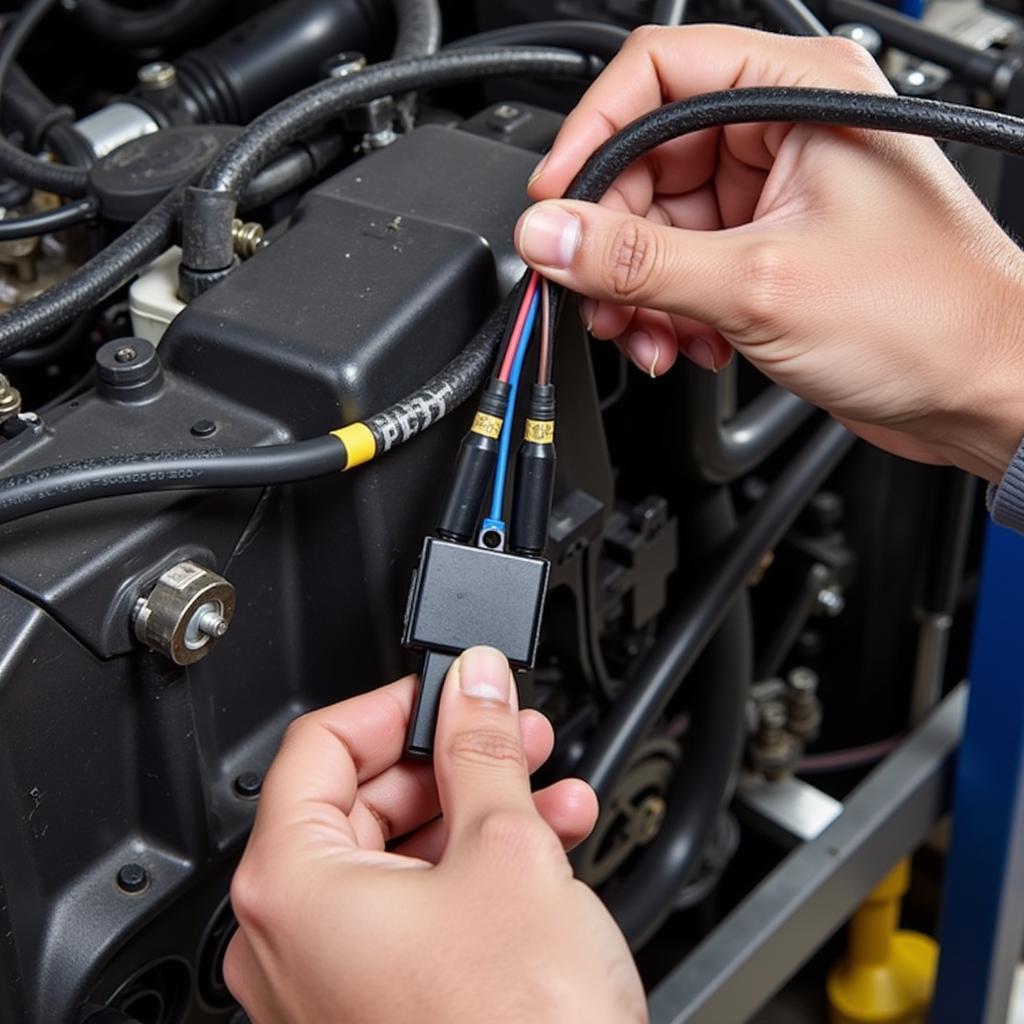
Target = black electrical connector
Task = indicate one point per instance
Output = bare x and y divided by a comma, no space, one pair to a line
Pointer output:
474,468
534,475
463,596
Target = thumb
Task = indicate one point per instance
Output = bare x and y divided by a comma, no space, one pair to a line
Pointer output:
478,751
619,257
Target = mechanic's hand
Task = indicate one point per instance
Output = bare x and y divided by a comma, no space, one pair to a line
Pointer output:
855,268
474,916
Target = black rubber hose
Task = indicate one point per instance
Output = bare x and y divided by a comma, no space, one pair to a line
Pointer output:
57,219
699,615
291,169
792,16
669,12
990,69
131,27
419,28
42,123
40,174
909,115
596,37
207,251
91,282
75,482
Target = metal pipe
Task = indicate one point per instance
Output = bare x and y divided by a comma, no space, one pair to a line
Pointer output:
696,619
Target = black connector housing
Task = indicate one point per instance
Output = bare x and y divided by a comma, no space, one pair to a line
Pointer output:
534,475
460,597
474,468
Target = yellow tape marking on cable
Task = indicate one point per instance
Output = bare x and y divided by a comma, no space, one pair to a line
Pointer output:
540,431
359,442
489,426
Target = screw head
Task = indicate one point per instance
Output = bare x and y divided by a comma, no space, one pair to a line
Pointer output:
248,785
132,878
157,74
203,428
125,354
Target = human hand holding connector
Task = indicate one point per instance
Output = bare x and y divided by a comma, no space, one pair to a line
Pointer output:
473,916
855,268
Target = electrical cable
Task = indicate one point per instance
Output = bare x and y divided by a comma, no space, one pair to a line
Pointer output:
544,359
56,219
367,439
518,348
516,338
41,174
515,301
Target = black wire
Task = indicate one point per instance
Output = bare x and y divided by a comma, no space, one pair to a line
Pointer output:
792,16
57,219
192,469
40,174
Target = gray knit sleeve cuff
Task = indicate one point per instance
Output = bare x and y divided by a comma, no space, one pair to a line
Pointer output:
1006,502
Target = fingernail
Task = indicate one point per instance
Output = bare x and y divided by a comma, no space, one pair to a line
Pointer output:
484,673
549,236
700,351
644,352
538,170
588,310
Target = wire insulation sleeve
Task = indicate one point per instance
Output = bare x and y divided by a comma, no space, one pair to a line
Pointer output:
57,219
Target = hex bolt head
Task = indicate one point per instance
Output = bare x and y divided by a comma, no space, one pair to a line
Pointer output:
248,785
132,878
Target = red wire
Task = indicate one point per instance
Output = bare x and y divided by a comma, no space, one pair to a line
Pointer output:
517,330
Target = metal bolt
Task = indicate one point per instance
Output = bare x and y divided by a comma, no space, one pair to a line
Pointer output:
248,785
247,237
10,399
125,354
186,612
132,878
212,623
157,74
380,140
831,600
773,720
804,706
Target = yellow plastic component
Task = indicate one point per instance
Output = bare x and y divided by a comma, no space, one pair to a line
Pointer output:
888,976
359,443
540,431
489,426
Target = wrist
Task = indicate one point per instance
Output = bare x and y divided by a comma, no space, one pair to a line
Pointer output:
988,419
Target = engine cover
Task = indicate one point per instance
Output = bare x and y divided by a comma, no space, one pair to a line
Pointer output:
382,275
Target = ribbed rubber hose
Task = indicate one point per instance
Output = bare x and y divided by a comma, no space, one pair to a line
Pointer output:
148,237
131,27
41,174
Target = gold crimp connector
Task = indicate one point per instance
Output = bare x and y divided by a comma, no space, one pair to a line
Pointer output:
540,431
487,425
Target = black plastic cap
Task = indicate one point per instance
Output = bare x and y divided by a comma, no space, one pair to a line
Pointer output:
128,370
132,179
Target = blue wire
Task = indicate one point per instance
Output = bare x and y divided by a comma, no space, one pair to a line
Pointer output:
505,443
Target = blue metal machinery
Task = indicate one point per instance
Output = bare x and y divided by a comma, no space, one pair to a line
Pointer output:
982,924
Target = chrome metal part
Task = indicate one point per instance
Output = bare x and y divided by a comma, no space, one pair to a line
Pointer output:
186,613
789,810
114,125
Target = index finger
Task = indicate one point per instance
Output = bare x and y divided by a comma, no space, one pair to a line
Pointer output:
326,754
660,65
